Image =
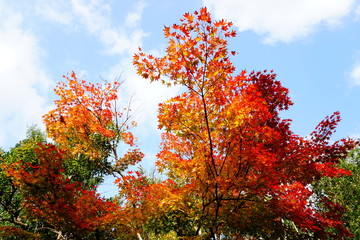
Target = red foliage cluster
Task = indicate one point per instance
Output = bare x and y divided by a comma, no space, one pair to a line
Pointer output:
51,197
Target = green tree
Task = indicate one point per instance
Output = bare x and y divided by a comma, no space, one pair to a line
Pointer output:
345,191
13,219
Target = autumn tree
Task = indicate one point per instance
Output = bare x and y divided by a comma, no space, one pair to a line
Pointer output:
235,169
88,124
49,189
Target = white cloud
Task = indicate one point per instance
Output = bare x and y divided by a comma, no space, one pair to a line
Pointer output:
23,82
281,20
94,16
355,74
357,12
133,18
55,11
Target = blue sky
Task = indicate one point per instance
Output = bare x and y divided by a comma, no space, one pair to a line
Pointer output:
313,46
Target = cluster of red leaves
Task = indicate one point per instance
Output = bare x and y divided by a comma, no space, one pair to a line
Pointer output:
49,196
225,142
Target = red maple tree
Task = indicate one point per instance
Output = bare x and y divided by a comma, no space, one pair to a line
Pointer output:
62,205
234,166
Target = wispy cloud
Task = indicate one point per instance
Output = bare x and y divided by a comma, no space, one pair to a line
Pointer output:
355,74
281,20
95,17
133,18
23,81
55,11
357,12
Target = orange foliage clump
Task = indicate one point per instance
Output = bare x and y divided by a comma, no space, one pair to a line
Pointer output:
85,118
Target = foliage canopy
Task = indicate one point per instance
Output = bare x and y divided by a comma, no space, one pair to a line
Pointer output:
231,167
